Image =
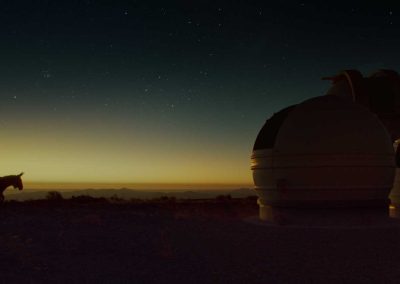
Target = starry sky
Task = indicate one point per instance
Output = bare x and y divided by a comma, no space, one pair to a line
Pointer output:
168,92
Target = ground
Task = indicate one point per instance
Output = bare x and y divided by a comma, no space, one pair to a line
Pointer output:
186,242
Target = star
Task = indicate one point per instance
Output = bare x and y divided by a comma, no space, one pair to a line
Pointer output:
46,74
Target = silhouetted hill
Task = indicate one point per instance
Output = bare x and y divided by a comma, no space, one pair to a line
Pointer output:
132,193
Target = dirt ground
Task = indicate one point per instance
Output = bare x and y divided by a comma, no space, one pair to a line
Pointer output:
184,243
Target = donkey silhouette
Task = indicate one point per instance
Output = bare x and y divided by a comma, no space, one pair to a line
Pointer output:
6,181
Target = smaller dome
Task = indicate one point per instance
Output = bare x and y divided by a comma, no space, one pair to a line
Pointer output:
395,192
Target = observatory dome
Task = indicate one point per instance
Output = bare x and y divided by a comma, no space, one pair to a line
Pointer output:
326,152
395,193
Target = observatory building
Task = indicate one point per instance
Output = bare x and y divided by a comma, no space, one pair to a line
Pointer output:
380,93
395,193
330,154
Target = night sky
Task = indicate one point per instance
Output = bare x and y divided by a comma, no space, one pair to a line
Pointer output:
168,92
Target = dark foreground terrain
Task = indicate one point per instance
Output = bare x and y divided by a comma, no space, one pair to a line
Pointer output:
169,241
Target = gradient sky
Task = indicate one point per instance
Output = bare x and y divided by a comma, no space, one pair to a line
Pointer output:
168,92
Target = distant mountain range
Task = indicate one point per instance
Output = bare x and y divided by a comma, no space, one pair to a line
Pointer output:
133,193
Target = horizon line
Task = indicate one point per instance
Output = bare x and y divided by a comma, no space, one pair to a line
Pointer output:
131,185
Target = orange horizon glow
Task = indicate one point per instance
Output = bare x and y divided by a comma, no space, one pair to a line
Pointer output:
138,186
91,153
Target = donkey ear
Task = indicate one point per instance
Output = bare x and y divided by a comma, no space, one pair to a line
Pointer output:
21,174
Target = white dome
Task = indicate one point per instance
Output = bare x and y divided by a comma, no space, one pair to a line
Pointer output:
326,151
332,125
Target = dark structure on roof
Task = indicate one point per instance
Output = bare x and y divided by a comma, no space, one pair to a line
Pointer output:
379,92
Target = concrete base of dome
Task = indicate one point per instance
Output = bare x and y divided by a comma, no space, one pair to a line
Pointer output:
332,216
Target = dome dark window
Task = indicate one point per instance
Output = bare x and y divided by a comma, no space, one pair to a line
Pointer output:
266,137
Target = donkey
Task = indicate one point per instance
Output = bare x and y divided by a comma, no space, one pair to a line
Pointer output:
6,181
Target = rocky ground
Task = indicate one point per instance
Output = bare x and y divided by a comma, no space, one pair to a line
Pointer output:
203,242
